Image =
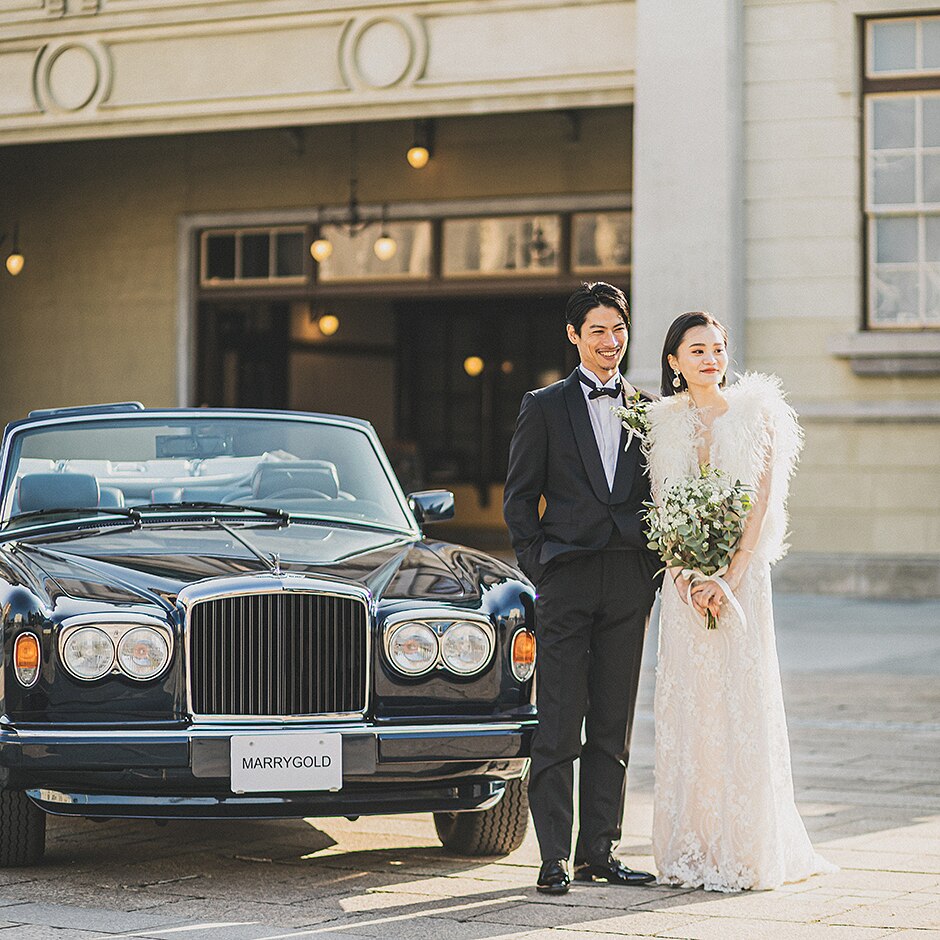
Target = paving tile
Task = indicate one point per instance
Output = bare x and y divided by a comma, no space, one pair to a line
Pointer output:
915,935
597,920
409,927
47,932
85,918
724,928
894,913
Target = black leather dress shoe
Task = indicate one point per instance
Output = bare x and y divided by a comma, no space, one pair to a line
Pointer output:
612,871
553,877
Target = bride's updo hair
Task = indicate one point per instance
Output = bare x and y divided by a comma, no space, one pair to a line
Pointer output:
674,336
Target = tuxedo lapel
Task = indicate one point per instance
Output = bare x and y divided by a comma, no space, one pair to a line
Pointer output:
628,459
584,436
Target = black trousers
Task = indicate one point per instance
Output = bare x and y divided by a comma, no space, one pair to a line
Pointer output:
592,613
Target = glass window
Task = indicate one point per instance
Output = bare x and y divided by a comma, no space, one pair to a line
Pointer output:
502,246
354,258
894,46
892,123
896,240
219,257
256,255
600,241
903,46
903,177
289,254
930,37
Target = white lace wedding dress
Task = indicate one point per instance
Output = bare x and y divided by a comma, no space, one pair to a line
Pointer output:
724,813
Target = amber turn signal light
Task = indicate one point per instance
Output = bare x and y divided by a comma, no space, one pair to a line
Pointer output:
523,655
26,659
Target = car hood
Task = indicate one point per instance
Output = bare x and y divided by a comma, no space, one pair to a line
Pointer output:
152,564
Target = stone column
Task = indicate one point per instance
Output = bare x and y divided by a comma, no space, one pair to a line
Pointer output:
688,174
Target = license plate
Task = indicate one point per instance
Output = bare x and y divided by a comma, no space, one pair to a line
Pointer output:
301,760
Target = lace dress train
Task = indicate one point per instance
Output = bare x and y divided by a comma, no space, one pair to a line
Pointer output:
724,812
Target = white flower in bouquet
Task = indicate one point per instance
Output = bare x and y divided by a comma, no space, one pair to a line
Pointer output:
697,525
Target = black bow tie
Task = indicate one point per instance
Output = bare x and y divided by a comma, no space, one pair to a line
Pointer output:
597,391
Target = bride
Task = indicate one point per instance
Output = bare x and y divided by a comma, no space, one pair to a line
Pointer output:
724,813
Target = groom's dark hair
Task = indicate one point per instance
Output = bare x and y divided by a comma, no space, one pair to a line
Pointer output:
589,296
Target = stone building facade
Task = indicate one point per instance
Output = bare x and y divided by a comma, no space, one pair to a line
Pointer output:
166,167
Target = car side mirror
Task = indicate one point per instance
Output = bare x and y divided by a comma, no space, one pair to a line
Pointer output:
432,505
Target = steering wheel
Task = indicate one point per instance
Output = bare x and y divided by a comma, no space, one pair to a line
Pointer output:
298,492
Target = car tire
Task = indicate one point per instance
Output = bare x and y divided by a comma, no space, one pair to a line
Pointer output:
495,831
22,830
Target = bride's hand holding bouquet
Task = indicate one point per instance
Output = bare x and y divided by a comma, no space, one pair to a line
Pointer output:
695,527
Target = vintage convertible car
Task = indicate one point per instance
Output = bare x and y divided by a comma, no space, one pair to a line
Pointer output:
215,613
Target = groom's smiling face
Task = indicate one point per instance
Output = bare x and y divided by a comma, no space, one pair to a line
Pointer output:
602,341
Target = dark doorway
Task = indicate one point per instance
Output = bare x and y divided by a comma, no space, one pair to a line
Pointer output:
242,354
462,419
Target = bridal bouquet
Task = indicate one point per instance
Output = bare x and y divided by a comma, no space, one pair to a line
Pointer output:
633,417
698,525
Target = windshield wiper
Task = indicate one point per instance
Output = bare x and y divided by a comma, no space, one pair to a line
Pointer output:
84,510
199,505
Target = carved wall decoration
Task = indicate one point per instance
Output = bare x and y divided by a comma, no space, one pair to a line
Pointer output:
197,68
383,51
71,76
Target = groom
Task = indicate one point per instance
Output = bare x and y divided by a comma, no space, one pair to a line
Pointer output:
588,559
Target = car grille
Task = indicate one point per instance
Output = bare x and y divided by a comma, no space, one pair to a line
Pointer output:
278,654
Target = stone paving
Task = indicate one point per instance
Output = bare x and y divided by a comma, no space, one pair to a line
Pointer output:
863,699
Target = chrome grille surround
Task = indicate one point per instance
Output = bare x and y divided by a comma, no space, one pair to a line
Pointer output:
278,692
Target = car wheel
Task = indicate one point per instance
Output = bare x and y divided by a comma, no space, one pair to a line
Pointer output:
22,830
495,831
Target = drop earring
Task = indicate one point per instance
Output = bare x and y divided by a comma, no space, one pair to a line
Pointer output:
677,381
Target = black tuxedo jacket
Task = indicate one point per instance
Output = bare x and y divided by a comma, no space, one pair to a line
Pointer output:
554,454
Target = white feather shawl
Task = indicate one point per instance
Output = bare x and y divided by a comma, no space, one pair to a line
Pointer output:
759,429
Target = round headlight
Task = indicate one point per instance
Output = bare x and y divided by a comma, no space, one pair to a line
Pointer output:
88,653
143,652
465,648
413,649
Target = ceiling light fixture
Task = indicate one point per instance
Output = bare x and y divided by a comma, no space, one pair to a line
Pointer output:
385,246
422,145
15,259
328,323
352,219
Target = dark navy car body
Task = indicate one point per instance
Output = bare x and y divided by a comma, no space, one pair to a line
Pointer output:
236,613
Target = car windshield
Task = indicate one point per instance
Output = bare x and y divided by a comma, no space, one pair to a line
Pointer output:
303,466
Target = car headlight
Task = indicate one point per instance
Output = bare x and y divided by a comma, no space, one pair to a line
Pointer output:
137,650
439,640
465,648
88,653
413,648
142,652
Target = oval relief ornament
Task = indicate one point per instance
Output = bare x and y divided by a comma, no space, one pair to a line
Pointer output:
71,76
383,51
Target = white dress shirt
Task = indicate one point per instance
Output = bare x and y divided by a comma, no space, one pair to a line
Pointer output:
606,424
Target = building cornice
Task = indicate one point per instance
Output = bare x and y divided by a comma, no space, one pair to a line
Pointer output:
104,68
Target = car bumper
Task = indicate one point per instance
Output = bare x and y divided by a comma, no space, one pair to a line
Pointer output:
186,773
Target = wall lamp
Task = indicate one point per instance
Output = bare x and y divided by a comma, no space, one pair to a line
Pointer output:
15,260
422,144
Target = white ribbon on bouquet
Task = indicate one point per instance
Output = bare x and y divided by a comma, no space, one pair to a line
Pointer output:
696,577
632,433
